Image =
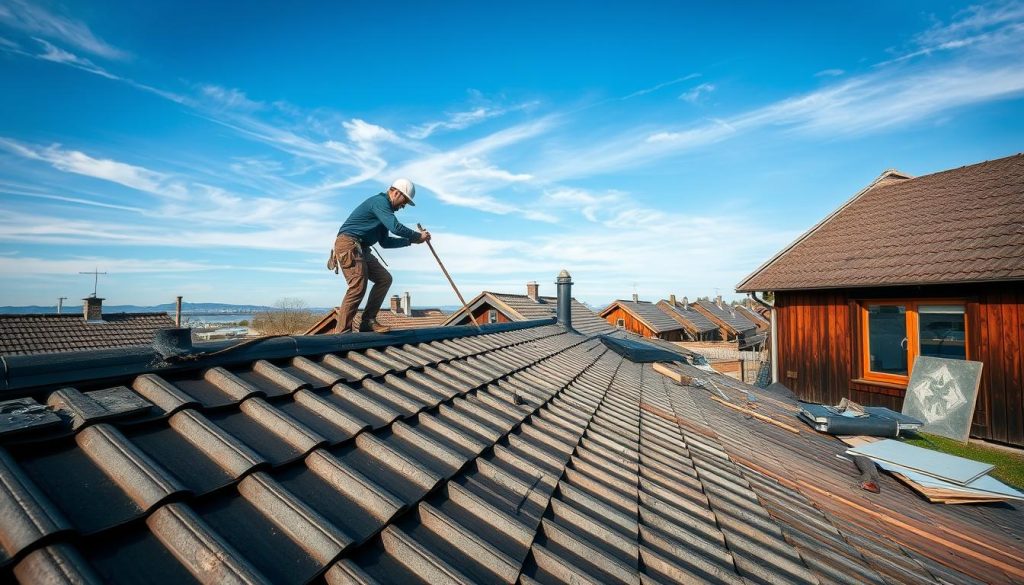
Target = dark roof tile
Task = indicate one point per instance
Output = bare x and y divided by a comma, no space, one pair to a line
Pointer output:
51,333
516,456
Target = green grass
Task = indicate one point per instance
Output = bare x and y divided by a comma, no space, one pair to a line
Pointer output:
1009,466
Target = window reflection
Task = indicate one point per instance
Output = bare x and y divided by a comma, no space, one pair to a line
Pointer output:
887,339
941,331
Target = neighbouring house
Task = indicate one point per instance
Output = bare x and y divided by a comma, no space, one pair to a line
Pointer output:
696,327
644,319
760,318
524,452
928,266
60,332
398,315
495,307
732,324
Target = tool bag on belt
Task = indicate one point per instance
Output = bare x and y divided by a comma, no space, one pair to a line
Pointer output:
332,262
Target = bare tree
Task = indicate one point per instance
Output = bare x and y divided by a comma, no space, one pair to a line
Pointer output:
288,317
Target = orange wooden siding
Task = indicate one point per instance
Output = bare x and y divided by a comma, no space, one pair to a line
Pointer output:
631,323
820,355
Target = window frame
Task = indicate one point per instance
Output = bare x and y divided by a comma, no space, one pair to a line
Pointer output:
913,337
492,316
620,323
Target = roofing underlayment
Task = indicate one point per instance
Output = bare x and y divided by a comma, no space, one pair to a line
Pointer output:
524,453
960,225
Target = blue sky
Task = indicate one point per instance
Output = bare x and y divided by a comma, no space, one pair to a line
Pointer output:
213,152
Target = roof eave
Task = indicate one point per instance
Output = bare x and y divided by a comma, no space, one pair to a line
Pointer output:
883,284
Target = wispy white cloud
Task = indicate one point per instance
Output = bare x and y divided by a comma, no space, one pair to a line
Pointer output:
57,55
74,161
229,98
994,28
24,265
830,73
660,86
694,95
36,21
484,109
886,98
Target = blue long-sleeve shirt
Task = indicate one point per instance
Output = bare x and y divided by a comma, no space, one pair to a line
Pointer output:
371,221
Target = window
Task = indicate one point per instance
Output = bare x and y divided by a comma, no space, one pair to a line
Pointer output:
894,333
492,316
620,323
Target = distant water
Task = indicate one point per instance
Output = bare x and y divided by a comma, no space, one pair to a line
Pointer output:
216,318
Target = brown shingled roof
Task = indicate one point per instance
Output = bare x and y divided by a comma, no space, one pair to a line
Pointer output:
960,225
50,332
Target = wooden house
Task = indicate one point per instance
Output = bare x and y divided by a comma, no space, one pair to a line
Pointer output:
931,266
696,327
495,307
643,318
732,324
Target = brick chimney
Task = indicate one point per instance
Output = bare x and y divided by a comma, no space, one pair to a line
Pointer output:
533,290
92,309
396,304
407,304
672,300
718,301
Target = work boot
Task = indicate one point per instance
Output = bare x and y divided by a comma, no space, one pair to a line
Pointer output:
372,325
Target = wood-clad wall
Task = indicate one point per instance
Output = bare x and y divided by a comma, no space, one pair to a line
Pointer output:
819,351
631,323
480,314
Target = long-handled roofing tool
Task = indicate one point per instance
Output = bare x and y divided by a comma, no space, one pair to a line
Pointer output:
450,281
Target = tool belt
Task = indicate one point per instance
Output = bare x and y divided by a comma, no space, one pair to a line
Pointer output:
333,262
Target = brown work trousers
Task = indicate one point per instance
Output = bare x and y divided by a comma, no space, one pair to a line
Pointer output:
358,266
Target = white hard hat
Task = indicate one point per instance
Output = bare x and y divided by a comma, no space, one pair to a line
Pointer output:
405,187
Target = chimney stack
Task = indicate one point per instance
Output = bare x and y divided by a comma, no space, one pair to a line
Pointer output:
718,301
672,300
396,304
533,290
177,312
407,304
686,304
636,298
92,309
564,282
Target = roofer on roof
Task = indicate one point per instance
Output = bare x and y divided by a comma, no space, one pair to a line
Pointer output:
369,224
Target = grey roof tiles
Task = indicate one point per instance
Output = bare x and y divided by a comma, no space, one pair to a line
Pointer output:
49,333
531,456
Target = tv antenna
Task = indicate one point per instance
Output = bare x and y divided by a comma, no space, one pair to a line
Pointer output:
96,278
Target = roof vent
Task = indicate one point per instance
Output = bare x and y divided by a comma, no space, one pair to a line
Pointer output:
564,282
407,304
686,304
